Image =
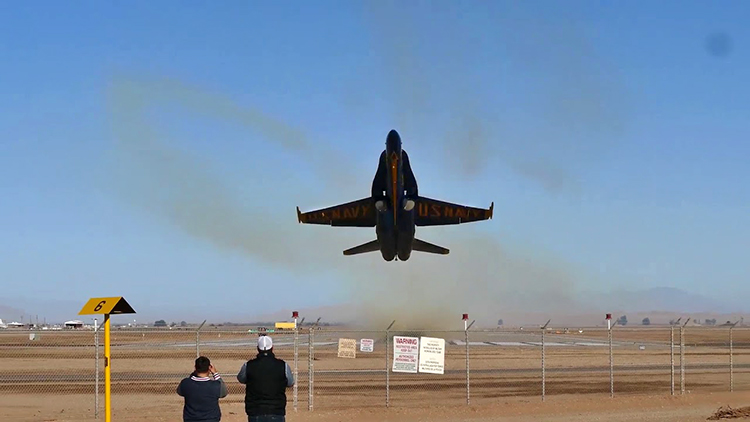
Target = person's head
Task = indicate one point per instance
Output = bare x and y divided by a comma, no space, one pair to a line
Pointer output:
202,364
265,344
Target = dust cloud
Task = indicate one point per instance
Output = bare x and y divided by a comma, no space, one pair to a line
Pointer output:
481,277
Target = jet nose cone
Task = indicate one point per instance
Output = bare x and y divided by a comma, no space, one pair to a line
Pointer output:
393,140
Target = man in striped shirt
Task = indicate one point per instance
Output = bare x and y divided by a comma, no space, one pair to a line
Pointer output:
202,391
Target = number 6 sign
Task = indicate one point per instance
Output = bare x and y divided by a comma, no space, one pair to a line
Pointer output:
107,306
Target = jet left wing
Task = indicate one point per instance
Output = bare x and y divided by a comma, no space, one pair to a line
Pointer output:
431,212
359,213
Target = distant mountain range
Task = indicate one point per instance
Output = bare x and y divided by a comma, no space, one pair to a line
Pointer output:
660,304
662,299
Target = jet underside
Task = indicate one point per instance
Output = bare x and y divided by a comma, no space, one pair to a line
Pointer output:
395,209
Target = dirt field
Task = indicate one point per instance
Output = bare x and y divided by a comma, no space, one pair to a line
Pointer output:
52,377
650,408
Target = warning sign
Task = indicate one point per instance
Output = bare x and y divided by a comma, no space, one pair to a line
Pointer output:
432,355
366,345
347,348
405,354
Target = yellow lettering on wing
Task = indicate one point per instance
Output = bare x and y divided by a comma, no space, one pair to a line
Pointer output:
458,212
350,213
435,210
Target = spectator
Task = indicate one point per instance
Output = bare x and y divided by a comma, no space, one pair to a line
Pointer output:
266,378
202,391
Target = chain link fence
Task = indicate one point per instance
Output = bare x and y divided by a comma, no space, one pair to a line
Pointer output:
340,369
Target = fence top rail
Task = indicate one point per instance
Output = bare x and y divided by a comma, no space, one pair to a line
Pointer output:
570,329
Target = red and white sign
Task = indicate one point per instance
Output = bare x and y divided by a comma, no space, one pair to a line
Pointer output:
405,354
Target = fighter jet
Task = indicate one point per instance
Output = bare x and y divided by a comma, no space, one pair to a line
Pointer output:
395,208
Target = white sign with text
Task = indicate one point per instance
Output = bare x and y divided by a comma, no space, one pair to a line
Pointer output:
432,355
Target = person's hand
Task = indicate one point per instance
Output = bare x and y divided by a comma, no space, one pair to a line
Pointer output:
211,369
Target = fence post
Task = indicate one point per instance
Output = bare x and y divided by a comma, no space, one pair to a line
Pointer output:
198,340
296,378
611,365
96,376
682,360
671,357
731,362
310,358
387,366
310,369
544,329
466,332
296,358
682,356
731,356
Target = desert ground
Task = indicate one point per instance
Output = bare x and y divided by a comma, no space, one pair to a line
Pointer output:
52,377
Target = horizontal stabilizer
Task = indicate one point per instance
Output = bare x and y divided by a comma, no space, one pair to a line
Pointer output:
422,246
371,246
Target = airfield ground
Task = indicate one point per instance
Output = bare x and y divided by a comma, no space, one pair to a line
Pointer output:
51,378
689,408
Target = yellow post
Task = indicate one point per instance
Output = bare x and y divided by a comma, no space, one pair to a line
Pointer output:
107,372
106,306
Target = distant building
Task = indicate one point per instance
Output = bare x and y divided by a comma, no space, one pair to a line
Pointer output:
73,324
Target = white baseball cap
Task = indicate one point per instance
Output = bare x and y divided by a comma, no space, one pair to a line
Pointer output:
265,343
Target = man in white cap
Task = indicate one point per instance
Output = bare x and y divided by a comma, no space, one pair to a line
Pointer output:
266,378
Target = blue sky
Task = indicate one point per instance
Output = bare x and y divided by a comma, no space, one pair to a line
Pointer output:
611,140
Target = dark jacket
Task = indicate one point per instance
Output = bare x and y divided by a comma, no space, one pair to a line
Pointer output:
267,378
202,396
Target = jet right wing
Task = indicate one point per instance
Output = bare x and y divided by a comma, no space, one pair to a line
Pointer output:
359,213
431,212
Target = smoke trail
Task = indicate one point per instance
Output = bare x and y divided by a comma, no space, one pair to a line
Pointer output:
480,276
181,188
130,97
573,113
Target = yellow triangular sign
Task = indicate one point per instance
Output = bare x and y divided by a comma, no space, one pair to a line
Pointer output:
106,305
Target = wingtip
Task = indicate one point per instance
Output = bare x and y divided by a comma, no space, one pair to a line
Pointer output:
299,216
492,208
